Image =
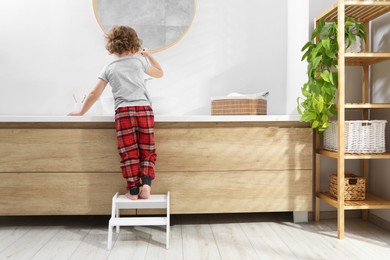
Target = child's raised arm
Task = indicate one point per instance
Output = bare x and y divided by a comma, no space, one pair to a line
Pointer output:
154,69
91,98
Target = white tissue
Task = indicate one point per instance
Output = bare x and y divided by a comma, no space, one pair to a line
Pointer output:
235,95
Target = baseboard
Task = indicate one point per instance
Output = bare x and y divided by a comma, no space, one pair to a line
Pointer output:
380,222
333,214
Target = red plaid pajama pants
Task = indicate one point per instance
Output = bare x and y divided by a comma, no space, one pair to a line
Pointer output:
135,134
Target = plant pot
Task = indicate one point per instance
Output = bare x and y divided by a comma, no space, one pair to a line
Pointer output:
356,46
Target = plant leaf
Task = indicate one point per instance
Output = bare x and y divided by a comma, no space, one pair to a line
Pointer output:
307,45
326,44
320,104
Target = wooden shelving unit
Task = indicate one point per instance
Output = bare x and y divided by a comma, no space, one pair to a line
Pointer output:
363,12
367,106
365,58
351,156
371,202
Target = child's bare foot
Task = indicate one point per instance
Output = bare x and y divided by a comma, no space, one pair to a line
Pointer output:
145,192
132,197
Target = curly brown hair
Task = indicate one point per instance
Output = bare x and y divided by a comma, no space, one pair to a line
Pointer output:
122,39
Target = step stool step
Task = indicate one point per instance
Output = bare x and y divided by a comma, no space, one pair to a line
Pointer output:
139,221
155,201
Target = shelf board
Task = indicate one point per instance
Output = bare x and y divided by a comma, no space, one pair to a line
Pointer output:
362,11
371,202
367,106
365,58
335,155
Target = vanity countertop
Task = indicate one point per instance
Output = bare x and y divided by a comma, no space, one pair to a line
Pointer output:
158,118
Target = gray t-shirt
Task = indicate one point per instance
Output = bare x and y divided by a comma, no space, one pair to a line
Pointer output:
126,77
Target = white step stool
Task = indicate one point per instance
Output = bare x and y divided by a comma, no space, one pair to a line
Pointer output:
122,202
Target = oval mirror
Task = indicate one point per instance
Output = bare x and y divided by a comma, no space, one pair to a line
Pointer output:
159,23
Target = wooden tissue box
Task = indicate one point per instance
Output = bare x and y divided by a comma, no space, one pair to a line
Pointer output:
255,106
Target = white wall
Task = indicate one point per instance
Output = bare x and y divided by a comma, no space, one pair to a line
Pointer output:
51,49
297,36
380,173
48,50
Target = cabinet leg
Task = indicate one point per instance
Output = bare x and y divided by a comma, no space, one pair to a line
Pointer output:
300,216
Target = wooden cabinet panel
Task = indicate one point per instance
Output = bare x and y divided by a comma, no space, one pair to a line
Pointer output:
236,148
60,193
58,150
181,149
231,191
191,192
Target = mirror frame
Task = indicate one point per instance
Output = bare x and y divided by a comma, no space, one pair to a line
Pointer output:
94,2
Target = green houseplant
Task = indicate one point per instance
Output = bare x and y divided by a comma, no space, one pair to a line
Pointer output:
318,102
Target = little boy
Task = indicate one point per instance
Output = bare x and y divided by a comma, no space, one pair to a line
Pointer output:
134,118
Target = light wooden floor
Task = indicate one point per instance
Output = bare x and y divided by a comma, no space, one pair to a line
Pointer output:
198,237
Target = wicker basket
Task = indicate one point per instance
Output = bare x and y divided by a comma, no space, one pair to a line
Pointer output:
256,106
354,187
362,136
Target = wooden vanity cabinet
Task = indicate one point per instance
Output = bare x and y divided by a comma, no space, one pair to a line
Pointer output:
208,167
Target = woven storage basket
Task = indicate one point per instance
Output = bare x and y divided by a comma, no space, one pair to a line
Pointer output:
362,136
354,187
256,106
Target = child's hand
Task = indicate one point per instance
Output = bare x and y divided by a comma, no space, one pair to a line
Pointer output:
75,113
145,52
